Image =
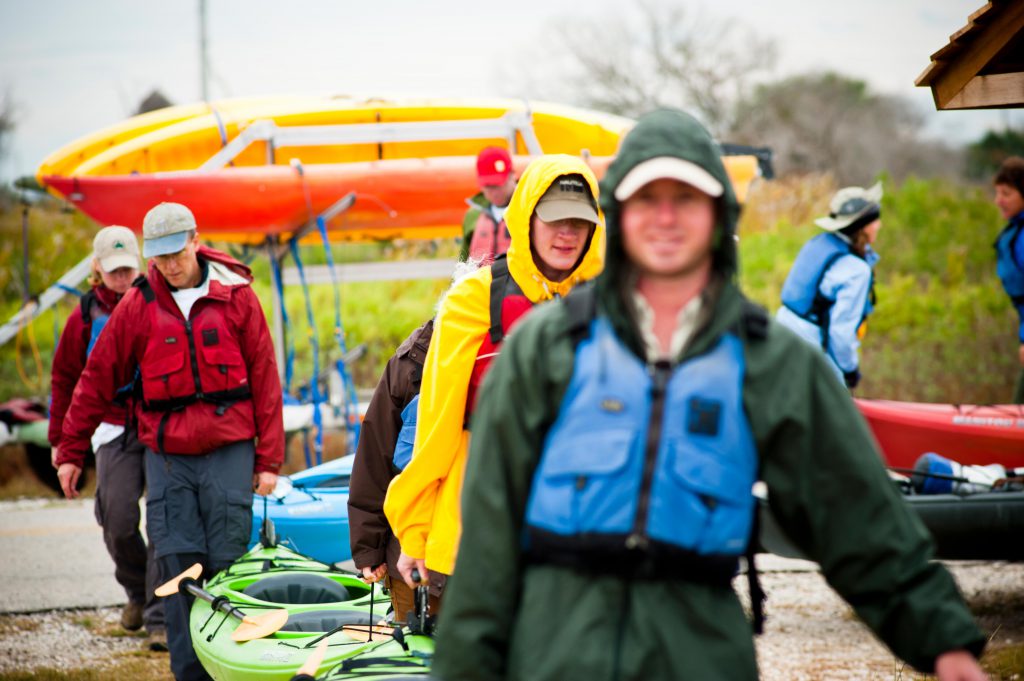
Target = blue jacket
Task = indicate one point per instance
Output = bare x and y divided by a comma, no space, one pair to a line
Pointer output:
842,284
1010,264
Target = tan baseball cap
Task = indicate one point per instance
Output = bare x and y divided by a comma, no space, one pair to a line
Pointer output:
115,247
165,229
568,197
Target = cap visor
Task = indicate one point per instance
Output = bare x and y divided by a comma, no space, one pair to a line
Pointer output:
492,180
164,245
113,262
668,168
562,209
831,224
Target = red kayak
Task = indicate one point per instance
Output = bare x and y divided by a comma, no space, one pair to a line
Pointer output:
424,198
968,434
420,198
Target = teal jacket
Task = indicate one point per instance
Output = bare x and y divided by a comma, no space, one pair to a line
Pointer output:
506,619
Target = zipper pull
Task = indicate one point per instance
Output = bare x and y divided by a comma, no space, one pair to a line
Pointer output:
660,373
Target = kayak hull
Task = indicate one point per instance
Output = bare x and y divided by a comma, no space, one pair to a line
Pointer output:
310,515
422,198
968,434
985,526
187,140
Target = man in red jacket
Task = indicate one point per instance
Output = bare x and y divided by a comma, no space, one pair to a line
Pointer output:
210,407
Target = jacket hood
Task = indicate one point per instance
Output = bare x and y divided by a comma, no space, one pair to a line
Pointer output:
671,133
662,133
227,264
535,180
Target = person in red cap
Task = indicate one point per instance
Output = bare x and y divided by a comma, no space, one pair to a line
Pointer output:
484,234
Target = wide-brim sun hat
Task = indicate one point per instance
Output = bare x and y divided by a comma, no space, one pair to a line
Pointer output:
849,205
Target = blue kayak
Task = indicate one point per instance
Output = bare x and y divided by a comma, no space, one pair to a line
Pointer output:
310,511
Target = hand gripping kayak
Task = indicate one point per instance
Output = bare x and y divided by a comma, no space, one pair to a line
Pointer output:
251,627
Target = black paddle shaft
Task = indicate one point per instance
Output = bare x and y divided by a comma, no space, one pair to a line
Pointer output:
191,586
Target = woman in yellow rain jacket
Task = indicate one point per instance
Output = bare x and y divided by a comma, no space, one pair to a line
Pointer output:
557,242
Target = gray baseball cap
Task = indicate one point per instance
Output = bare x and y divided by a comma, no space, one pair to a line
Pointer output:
568,197
165,229
115,247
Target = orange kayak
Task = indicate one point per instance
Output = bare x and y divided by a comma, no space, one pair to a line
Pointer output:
419,198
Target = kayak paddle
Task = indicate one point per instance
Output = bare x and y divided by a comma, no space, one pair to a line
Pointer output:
251,627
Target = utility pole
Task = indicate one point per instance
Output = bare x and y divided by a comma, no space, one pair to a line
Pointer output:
204,57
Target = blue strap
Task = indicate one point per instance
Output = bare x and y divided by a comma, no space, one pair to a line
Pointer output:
289,361
351,401
314,344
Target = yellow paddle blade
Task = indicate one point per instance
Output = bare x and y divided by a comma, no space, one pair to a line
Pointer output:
366,632
314,660
170,588
259,626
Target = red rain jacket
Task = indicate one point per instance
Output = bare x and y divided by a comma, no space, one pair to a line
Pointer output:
69,361
196,374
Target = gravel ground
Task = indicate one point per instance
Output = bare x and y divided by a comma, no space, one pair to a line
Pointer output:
811,634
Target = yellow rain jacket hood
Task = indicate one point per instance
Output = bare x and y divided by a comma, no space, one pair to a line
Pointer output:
422,504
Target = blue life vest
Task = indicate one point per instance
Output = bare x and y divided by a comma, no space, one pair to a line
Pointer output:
1009,270
407,435
656,458
801,293
99,320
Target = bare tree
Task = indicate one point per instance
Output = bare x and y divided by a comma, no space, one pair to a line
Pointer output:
826,122
7,115
652,54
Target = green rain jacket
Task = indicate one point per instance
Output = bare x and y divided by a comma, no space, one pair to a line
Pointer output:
506,619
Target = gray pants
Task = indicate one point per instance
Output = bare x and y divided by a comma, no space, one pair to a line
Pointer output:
198,510
120,473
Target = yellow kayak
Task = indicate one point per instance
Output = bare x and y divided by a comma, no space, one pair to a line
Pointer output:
68,158
189,141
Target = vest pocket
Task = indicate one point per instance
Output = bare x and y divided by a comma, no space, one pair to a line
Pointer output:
161,377
708,503
583,484
225,369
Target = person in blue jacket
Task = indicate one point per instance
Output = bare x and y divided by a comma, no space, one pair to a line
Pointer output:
829,292
1009,184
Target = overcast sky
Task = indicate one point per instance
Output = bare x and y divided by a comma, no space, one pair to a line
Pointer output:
72,67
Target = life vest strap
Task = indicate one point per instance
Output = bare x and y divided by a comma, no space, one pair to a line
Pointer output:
607,555
222,398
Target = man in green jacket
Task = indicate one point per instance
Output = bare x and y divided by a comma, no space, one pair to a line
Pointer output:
608,496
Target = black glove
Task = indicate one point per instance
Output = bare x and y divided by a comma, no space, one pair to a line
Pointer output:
852,378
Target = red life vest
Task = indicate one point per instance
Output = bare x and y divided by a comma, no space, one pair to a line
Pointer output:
507,305
190,361
490,239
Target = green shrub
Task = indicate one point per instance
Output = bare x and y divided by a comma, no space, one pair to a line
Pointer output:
943,330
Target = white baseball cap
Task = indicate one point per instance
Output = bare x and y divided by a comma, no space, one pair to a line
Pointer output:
667,168
116,247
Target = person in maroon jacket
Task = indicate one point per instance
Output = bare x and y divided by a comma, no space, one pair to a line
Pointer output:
120,476
385,447
209,412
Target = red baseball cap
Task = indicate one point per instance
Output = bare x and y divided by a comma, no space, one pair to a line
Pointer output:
493,166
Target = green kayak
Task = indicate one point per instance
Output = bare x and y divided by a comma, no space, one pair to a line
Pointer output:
320,600
406,657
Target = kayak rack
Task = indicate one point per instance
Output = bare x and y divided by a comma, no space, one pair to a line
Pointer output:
277,136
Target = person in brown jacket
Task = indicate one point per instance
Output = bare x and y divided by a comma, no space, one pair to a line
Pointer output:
385,446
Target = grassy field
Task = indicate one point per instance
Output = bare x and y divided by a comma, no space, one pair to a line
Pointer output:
943,330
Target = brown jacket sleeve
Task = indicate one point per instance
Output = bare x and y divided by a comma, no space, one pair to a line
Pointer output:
373,469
